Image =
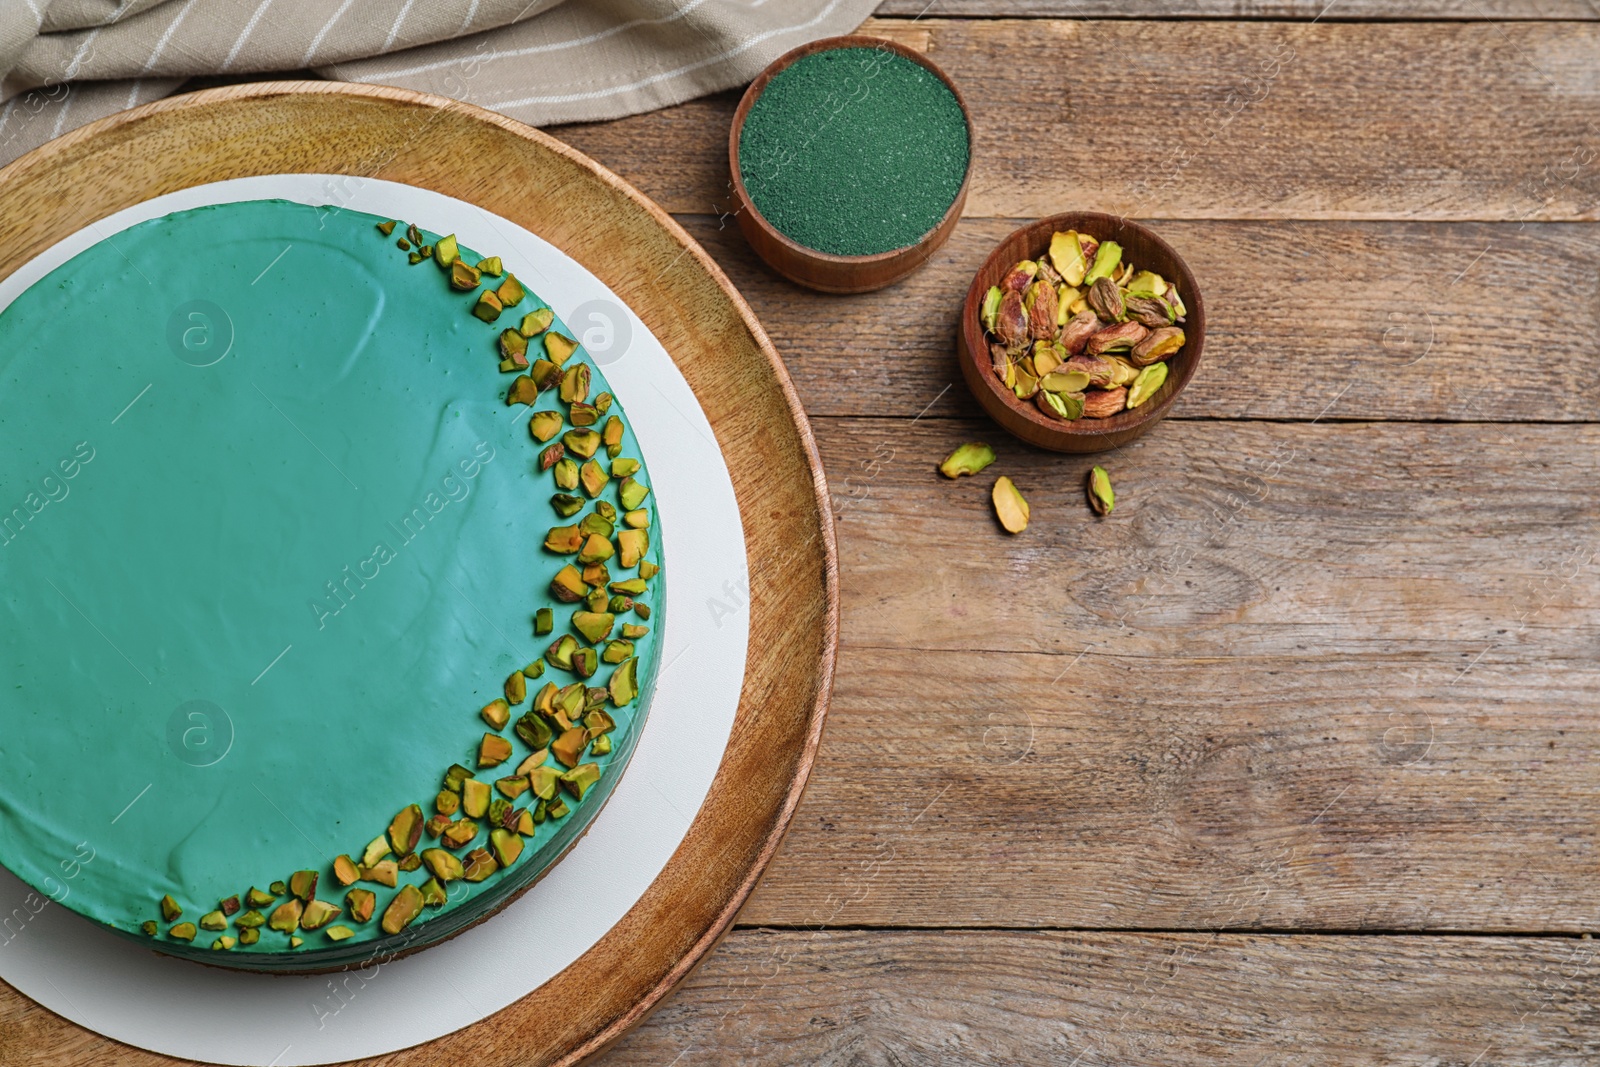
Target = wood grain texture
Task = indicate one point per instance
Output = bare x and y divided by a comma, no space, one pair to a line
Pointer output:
1329,677
513,171
1321,10
882,999
1485,121
1342,320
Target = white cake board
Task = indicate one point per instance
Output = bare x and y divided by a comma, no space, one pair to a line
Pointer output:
123,991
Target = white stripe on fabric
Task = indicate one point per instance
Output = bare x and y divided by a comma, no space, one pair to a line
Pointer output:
394,31
554,46
316,42
244,35
743,46
166,36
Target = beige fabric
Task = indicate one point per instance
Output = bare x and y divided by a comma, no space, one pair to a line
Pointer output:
64,63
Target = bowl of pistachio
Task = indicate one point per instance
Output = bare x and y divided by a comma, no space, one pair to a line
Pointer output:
1080,330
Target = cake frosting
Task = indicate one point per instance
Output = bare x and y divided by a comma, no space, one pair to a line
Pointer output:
271,535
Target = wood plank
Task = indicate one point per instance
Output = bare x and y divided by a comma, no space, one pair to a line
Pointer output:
1330,677
1306,319
892,999
1244,539
1439,120
1321,10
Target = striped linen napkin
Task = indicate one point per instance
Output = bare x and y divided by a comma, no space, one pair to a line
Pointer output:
64,63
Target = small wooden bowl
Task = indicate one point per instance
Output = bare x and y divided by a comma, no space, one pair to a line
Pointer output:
823,270
1142,248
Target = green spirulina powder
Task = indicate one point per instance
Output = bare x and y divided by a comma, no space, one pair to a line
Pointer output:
854,151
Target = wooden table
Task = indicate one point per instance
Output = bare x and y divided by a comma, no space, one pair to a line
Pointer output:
1290,760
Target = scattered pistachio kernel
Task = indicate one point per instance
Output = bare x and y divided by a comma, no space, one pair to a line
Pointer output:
544,621
340,933
512,786
433,894
632,632
445,867
552,457
597,549
488,307
559,348
453,779
344,868
413,234
564,540
583,414
601,746
537,322
213,920
475,796
224,943
1098,486
580,779
566,504
317,914
624,684
278,888
648,569
593,478
1009,505
405,830
414,258
632,493
169,908
575,384
402,910
598,573
621,468
384,872
510,292
286,917
534,731
492,266
638,518
230,906
632,545
446,251
405,246
641,610
506,845
460,834
480,865
410,862
603,403
466,279
493,750
498,712
249,937
594,627
967,459
183,932
255,898
303,884
581,442
296,942
386,228
150,928
566,474
516,690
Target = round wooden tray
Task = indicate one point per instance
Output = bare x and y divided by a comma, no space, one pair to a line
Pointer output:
649,261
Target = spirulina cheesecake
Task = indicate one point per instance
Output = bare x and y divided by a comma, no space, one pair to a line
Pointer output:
331,585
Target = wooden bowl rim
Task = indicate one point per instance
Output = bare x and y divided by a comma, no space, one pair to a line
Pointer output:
768,828
975,346
758,86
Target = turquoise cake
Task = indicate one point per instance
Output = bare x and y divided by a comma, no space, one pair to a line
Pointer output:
330,586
